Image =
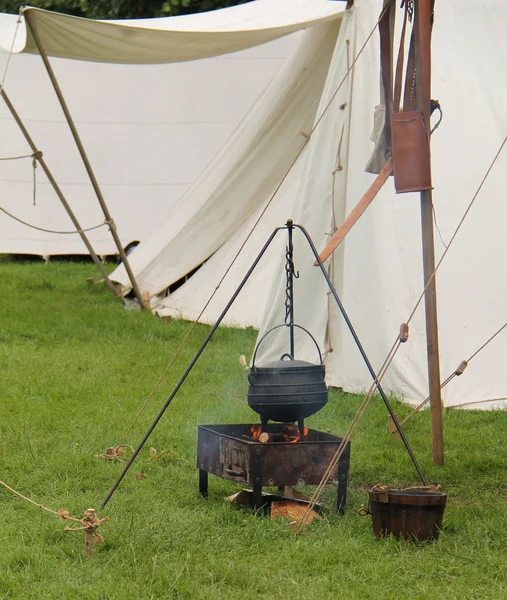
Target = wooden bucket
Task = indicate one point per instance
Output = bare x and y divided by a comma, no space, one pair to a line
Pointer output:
407,514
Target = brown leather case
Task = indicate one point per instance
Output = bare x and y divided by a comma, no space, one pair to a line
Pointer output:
411,152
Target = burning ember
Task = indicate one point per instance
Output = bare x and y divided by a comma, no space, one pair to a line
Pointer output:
287,433
255,431
291,434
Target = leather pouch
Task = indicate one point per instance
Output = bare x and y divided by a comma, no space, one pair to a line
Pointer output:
411,152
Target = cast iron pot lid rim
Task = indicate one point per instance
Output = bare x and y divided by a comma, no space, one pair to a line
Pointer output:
287,365
263,395
287,384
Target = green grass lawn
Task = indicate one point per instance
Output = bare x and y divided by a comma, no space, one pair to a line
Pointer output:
75,367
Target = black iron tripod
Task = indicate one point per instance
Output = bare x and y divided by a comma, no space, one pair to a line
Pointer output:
289,226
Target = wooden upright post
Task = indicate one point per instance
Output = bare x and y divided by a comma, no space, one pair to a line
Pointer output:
430,302
112,226
423,24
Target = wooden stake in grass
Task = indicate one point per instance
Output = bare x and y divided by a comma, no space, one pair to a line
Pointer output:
90,523
392,427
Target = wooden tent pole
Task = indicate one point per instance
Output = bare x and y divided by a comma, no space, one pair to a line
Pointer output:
432,345
112,226
39,157
424,17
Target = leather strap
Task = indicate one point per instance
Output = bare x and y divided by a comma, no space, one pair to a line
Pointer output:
409,95
400,62
422,24
386,26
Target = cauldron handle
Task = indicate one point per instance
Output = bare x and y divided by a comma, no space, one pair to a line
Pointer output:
291,357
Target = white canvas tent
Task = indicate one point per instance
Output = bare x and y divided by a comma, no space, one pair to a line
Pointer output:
377,271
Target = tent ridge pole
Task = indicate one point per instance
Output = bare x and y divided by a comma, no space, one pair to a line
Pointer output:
82,152
59,193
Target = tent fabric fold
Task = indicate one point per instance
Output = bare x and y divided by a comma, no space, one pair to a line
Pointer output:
170,39
243,174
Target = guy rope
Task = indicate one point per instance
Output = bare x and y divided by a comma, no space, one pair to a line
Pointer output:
89,523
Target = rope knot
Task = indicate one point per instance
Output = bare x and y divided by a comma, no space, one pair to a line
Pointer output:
90,523
115,452
111,224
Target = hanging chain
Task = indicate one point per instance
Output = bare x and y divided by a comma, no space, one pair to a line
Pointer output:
290,274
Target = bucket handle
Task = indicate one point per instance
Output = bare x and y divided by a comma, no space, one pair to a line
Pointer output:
288,355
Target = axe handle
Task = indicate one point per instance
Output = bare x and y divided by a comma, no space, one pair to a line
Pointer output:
357,211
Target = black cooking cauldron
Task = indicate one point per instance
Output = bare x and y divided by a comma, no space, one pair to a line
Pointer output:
287,390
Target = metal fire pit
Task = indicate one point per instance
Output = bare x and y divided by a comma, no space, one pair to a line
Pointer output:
229,452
